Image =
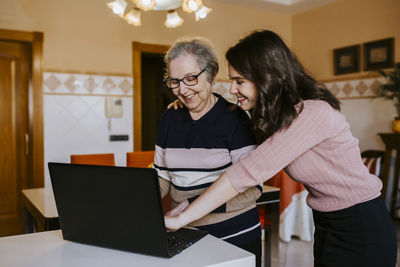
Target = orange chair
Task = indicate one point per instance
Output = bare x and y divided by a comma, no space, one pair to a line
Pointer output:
94,159
139,158
143,159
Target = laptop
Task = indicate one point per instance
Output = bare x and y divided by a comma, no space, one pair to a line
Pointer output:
115,207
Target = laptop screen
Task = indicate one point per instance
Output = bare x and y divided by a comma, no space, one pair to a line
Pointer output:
114,207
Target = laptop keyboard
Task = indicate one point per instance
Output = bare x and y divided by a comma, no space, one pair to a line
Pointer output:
175,241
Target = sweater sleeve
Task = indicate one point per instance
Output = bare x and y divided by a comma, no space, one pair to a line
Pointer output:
314,124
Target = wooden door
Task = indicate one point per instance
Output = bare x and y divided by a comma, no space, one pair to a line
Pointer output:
155,97
14,132
138,50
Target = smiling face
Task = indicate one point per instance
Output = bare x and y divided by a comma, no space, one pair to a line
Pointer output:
197,98
244,89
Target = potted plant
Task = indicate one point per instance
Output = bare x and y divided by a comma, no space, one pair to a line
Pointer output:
391,90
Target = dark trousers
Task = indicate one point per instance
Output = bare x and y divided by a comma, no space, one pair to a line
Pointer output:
361,235
255,248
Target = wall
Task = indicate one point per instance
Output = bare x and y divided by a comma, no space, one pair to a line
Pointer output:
346,22
85,36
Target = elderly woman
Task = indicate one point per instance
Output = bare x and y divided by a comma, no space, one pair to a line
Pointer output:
197,143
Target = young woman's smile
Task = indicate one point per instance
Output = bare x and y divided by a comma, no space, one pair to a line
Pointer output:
244,89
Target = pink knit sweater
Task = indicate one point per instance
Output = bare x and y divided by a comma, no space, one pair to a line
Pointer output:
318,151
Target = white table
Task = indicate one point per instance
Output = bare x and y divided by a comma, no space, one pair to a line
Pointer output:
40,206
48,249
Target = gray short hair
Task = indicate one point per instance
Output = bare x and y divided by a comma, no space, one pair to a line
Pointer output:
198,47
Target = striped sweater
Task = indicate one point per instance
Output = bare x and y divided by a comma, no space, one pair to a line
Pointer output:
191,155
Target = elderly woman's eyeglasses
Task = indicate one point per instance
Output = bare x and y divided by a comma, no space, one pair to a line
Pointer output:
191,80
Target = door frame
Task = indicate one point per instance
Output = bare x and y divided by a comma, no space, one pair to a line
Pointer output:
35,168
137,49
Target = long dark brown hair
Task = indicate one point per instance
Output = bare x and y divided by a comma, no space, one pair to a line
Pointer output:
281,81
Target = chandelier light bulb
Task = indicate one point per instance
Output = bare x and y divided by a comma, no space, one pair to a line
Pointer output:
202,12
146,5
191,5
133,17
173,19
118,7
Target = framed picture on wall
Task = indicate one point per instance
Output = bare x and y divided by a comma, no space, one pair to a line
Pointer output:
379,54
346,59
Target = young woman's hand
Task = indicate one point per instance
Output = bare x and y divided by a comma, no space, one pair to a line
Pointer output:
174,223
175,104
178,209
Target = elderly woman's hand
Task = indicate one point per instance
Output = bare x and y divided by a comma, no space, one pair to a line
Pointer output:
175,104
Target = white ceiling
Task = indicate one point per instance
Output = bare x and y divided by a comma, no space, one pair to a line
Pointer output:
280,6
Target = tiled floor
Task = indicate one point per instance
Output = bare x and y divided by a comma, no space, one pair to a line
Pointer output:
298,253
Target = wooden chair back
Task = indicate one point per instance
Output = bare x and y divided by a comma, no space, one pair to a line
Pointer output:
94,159
139,159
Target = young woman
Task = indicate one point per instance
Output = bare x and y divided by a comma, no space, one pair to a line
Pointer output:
299,128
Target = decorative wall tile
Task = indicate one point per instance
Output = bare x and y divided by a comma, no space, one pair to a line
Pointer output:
51,82
356,88
347,88
125,86
375,86
68,83
335,89
108,85
361,88
89,84
71,84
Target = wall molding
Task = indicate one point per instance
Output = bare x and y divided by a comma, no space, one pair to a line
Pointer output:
89,72
361,88
102,95
87,84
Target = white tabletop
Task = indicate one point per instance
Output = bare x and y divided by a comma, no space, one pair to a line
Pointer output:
48,249
43,200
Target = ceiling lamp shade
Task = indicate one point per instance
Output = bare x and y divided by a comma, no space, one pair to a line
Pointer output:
134,10
202,12
173,19
118,7
133,17
145,5
191,5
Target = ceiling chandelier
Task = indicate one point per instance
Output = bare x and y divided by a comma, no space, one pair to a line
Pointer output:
132,15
